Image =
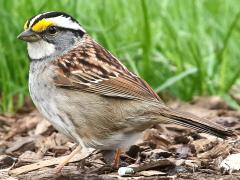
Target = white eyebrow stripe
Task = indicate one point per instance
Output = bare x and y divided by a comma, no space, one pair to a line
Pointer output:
66,22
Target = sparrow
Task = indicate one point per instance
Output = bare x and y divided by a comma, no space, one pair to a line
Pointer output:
88,94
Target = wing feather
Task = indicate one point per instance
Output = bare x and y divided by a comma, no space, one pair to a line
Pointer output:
91,68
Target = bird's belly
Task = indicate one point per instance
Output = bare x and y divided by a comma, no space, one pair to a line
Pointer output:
119,140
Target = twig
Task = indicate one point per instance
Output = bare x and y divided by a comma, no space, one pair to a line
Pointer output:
45,163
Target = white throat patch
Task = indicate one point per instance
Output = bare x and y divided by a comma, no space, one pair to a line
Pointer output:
40,49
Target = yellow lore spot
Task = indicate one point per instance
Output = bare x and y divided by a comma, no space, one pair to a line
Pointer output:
42,25
25,25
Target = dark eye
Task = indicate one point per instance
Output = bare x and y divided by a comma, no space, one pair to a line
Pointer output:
52,30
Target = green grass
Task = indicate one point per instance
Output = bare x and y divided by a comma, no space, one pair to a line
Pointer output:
182,47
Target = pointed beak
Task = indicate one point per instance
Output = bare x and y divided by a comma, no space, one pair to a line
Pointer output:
29,36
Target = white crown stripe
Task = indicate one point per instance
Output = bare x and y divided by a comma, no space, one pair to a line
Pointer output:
66,22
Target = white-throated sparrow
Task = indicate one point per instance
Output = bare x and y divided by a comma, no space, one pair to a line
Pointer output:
87,93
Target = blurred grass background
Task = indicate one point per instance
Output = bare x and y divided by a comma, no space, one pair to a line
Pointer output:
182,47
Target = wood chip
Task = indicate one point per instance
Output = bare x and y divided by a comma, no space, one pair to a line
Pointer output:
45,163
202,145
42,127
6,161
23,125
154,164
222,149
156,154
19,143
152,173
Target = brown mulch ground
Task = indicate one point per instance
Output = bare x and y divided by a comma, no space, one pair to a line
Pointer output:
30,148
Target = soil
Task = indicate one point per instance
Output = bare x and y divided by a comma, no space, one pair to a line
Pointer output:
30,148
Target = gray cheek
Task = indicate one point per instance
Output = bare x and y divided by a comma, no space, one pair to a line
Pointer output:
64,41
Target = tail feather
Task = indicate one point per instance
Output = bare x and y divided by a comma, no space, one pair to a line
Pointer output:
194,122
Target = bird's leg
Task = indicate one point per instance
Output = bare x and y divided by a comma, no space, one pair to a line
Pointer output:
117,157
68,158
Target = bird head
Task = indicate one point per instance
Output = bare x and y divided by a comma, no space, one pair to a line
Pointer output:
50,33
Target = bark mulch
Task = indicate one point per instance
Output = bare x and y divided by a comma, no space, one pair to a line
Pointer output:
30,148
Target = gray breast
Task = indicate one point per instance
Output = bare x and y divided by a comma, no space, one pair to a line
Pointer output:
45,96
